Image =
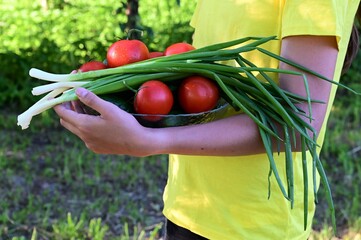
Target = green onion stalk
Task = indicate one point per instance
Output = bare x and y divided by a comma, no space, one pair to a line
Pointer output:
263,101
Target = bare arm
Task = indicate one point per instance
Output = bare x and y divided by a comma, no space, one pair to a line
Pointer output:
318,54
117,132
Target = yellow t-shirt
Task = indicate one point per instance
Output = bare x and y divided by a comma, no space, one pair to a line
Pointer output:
226,197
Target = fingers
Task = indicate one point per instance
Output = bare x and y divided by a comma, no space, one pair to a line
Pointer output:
76,106
72,112
67,105
94,102
70,127
65,112
76,130
73,121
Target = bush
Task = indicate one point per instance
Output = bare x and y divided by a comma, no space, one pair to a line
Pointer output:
66,34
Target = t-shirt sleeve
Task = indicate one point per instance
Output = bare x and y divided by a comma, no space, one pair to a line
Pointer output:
310,17
195,16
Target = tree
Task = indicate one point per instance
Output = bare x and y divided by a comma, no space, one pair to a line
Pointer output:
130,8
132,14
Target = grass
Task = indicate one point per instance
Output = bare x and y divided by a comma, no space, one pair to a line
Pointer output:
48,173
52,187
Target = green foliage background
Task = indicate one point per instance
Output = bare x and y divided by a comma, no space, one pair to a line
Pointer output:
69,33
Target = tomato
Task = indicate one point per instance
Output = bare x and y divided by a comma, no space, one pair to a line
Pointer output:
178,48
153,97
123,52
155,54
197,94
92,66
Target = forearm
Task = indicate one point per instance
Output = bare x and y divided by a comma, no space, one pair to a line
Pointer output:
233,136
237,135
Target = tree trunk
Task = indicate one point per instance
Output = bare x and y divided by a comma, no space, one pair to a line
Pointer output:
132,16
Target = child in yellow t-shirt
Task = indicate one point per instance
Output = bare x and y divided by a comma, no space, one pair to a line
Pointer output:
222,197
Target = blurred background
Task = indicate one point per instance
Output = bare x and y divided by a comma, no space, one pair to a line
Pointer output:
52,187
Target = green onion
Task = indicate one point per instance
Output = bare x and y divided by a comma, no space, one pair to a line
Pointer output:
305,182
50,87
263,101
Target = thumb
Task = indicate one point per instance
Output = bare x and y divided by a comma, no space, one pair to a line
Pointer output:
92,100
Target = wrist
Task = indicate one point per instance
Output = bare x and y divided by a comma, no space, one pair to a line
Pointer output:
156,141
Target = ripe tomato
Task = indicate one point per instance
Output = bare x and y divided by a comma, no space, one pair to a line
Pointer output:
123,52
92,66
153,97
155,54
178,48
197,94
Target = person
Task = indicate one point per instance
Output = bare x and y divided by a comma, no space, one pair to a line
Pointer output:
218,172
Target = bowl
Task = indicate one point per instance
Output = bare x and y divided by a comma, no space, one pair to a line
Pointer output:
182,119
175,118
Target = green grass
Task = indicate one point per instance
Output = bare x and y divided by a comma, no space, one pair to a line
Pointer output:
48,173
52,187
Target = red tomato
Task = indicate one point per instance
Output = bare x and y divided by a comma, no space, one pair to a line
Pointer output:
153,97
155,54
92,66
178,48
123,52
197,94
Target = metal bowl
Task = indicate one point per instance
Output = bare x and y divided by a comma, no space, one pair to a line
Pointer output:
173,120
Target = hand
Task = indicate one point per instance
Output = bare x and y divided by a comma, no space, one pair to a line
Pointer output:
114,131
75,105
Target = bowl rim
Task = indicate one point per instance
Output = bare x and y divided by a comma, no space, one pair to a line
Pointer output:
220,105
